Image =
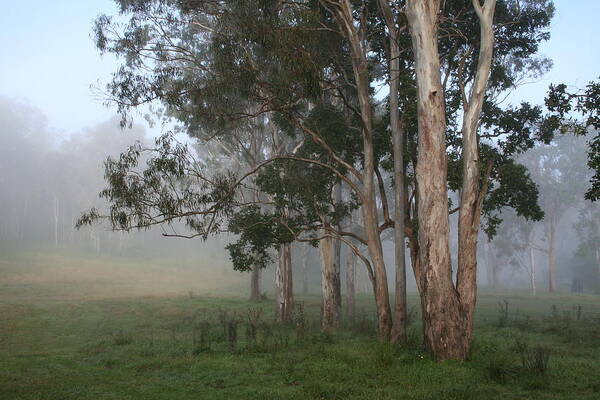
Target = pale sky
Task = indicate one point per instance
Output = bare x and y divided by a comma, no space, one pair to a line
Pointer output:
49,60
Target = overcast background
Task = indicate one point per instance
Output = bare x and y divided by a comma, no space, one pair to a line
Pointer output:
49,59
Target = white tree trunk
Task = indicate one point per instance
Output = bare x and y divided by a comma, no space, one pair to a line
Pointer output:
532,270
330,317
283,284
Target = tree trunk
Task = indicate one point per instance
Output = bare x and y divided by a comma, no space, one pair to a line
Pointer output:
283,284
532,270
337,257
598,265
255,283
399,325
551,232
330,305
442,322
56,214
344,15
492,266
350,283
473,192
305,268
447,311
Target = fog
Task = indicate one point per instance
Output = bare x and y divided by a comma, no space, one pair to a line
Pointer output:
49,181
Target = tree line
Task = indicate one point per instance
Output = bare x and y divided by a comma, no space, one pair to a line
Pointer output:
339,123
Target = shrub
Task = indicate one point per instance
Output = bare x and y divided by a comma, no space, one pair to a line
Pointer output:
535,360
121,338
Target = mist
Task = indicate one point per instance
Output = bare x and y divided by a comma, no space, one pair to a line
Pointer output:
49,181
332,199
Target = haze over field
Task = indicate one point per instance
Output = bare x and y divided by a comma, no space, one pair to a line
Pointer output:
274,199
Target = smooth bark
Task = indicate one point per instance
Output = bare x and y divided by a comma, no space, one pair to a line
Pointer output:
399,324
305,252
532,271
551,222
344,15
255,283
350,283
283,284
473,191
330,306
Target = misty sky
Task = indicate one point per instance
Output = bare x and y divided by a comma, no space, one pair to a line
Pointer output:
49,59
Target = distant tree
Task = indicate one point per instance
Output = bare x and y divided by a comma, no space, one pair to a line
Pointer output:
560,172
588,232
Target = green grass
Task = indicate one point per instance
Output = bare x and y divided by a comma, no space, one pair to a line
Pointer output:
147,347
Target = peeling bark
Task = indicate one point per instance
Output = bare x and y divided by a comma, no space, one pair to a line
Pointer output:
447,310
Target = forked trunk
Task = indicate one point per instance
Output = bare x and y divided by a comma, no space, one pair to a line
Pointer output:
442,322
447,310
283,284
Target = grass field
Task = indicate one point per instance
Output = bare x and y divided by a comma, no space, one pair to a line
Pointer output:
105,329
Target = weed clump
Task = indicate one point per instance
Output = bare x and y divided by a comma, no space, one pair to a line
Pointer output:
535,360
121,338
503,317
201,338
499,367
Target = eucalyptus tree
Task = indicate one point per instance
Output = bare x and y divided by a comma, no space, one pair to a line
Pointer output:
479,60
214,65
560,172
515,245
210,73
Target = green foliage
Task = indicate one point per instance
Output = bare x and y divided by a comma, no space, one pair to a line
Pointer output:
280,69
171,187
578,113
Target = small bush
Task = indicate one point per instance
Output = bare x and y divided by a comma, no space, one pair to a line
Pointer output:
299,322
254,315
384,355
121,338
232,335
499,367
201,337
503,317
535,360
